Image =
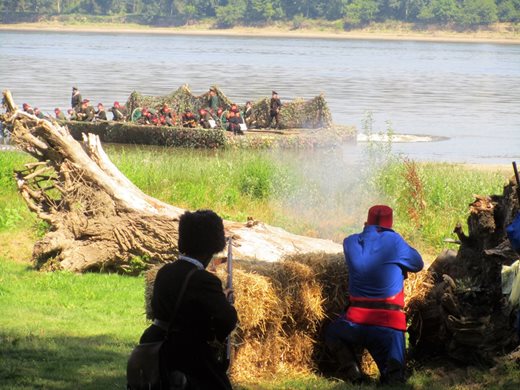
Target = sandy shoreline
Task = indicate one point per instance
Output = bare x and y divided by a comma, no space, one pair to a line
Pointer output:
274,32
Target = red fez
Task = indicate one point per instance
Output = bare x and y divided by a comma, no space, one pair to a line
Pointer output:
380,215
85,101
116,104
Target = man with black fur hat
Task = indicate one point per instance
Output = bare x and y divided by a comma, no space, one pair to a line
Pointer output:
204,313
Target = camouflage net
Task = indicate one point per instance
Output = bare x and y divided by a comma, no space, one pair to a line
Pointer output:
179,101
300,113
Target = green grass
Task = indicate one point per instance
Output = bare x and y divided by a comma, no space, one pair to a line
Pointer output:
61,330
316,195
428,207
66,331
14,214
235,183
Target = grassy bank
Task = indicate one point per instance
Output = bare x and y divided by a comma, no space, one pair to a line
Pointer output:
65,331
316,194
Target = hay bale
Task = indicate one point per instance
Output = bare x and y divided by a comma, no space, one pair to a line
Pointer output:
283,310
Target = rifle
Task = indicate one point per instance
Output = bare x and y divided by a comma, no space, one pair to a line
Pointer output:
231,298
515,169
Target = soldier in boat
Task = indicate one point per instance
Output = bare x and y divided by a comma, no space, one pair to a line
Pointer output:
205,119
73,115
76,100
233,120
146,117
59,114
166,115
118,112
87,112
101,114
38,113
27,108
274,110
213,100
248,115
189,119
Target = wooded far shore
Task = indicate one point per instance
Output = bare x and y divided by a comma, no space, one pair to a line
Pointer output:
499,33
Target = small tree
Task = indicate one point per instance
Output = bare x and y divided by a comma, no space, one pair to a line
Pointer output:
361,12
477,12
439,11
231,14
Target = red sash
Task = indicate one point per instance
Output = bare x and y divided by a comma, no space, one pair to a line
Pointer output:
386,312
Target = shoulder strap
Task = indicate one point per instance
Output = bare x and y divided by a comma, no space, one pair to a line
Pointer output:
181,294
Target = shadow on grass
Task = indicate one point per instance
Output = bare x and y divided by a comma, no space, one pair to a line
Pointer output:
30,361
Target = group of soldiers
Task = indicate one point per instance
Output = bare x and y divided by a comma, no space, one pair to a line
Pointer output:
210,116
81,110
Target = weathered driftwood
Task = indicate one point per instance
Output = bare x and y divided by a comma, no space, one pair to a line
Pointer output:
99,220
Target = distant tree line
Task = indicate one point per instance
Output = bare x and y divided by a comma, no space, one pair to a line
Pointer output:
229,13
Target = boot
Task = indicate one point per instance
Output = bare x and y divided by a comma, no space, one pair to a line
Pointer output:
348,366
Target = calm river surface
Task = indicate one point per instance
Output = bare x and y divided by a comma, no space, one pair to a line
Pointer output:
469,92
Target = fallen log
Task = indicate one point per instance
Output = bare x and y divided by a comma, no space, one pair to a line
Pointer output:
99,220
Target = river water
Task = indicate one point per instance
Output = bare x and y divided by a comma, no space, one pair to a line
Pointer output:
467,92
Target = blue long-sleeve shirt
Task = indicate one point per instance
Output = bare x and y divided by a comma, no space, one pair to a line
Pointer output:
378,260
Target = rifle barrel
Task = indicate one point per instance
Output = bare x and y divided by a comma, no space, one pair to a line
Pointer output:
230,264
515,169
231,295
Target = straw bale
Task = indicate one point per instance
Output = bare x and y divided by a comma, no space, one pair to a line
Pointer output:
259,318
283,309
256,358
331,273
416,288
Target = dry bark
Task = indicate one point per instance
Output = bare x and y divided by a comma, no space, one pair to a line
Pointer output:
464,314
99,220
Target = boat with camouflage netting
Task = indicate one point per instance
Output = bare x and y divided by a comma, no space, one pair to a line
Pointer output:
302,123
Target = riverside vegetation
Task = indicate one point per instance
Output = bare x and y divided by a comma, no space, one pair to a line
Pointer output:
341,14
62,330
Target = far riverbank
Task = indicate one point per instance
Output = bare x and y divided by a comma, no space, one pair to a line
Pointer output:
498,34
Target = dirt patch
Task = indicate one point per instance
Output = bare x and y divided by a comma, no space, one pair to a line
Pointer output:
17,245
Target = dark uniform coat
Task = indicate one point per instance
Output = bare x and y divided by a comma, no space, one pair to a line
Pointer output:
204,316
119,113
75,100
88,114
102,115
